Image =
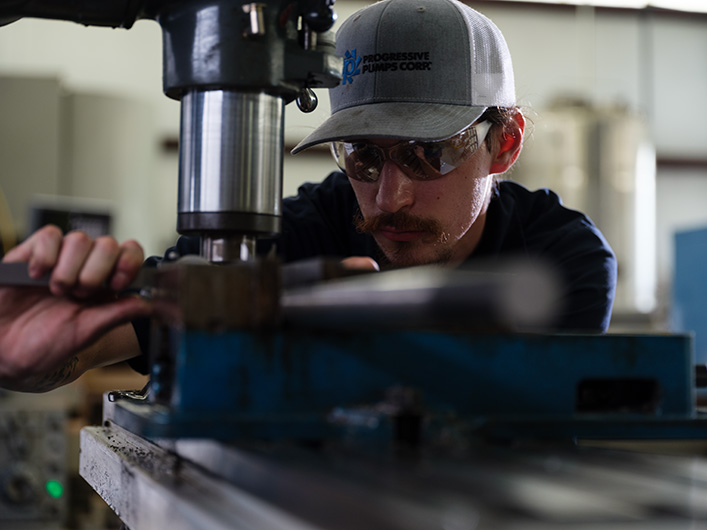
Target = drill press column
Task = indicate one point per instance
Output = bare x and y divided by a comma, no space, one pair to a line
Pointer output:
230,170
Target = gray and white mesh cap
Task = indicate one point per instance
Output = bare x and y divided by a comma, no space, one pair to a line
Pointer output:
422,69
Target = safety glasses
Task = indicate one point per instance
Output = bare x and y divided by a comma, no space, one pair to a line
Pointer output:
363,161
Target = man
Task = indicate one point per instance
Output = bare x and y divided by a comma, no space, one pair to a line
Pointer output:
424,121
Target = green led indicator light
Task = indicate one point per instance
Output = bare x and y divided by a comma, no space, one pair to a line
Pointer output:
54,488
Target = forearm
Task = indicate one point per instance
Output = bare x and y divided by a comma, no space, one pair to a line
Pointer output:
117,345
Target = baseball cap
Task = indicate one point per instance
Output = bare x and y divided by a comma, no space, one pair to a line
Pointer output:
419,69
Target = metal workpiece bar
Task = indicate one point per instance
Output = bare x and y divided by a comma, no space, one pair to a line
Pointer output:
297,274
16,275
511,298
311,271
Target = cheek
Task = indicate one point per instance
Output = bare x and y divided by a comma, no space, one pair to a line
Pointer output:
459,209
479,194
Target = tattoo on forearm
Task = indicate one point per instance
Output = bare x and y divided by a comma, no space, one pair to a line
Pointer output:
58,377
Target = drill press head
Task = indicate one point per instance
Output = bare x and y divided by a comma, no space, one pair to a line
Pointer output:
234,69
233,65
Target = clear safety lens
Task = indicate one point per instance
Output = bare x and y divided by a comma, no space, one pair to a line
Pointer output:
364,160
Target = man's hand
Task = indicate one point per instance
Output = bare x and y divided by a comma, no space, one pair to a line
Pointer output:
42,332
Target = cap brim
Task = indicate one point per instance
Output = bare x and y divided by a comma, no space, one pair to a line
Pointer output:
419,121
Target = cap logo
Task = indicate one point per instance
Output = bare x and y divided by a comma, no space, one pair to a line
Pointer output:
384,62
351,66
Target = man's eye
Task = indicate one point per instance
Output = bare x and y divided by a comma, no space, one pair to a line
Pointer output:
431,151
357,147
426,156
365,163
366,157
411,158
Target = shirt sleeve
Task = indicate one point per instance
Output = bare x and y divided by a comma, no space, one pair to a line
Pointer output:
583,259
589,274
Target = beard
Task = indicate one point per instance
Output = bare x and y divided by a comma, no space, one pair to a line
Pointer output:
407,253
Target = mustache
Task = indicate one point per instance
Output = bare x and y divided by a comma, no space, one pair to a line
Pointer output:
398,220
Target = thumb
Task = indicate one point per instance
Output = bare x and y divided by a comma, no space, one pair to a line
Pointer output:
97,320
363,263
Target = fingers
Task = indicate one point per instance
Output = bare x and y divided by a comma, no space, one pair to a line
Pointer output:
99,264
78,258
40,251
86,266
129,262
363,263
79,266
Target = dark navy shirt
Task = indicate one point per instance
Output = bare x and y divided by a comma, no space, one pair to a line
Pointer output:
519,223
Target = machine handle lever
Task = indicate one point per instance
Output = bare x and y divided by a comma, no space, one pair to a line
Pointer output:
307,100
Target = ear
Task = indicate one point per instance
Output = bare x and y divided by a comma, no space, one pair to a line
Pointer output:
509,145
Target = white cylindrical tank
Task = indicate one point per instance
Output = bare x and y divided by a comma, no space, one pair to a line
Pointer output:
601,162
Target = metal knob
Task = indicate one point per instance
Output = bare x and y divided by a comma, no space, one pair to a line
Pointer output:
307,100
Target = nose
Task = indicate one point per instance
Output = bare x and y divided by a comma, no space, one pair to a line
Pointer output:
395,189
